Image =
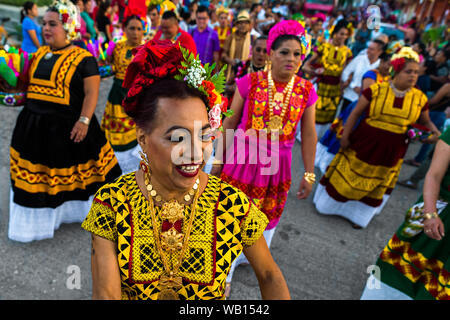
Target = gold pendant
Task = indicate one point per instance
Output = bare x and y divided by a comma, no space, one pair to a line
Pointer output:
275,123
168,294
171,240
172,211
168,286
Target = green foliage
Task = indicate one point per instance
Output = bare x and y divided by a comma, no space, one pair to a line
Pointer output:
19,3
218,79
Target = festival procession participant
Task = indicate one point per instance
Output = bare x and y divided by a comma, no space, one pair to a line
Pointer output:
355,70
237,46
362,175
415,262
329,144
120,129
268,105
155,18
256,63
206,38
317,30
59,157
333,57
31,31
223,29
169,29
169,231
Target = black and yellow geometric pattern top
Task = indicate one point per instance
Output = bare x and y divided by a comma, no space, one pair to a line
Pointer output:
226,221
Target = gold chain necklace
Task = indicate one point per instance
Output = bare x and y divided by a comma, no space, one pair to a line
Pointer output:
171,240
187,197
276,121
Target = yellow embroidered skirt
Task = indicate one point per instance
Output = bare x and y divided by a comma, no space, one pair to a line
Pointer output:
359,180
329,95
120,129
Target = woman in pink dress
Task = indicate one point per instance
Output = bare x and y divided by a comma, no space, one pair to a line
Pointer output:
267,108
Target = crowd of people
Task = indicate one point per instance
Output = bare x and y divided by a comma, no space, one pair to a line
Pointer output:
185,75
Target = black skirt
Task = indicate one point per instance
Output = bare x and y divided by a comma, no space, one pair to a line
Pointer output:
48,168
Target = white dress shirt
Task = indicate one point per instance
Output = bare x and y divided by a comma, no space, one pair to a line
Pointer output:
358,66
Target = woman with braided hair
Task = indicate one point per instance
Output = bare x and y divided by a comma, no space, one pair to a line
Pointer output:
362,175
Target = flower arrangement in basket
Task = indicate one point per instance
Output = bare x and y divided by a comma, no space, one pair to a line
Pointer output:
14,66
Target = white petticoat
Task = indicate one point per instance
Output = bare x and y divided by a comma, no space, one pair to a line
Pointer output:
355,211
29,224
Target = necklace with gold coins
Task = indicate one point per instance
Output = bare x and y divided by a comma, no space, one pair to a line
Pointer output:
170,239
277,101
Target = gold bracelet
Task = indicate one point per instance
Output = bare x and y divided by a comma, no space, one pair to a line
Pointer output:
310,177
430,215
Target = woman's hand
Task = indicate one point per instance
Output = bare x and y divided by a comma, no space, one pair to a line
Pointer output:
432,140
304,190
434,228
79,132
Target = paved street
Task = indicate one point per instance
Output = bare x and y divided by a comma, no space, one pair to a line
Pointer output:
321,257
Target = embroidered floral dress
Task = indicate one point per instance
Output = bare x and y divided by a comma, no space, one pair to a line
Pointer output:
257,166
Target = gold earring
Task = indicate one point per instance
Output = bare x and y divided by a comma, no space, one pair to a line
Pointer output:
144,163
268,65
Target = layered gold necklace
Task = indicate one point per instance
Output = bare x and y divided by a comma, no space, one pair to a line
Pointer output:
277,101
171,239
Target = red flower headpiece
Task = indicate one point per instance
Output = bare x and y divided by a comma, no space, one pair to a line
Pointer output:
159,59
155,59
398,64
134,12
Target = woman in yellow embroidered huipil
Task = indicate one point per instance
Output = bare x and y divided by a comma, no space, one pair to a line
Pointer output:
120,129
333,56
364,172
59,156
170,231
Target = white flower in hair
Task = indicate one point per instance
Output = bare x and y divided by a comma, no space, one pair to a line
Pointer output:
68,14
